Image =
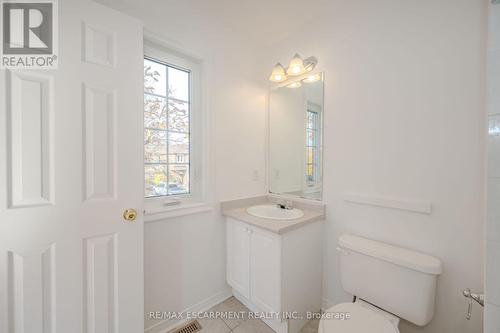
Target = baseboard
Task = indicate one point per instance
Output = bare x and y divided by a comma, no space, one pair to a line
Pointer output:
167,325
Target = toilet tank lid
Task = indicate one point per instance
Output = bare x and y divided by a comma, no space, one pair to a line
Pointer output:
396,255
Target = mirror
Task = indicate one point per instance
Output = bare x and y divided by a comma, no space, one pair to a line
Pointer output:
296,139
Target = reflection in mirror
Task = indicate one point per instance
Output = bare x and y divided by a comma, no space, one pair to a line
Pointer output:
295,138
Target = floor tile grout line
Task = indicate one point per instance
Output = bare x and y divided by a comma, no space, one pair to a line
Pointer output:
230,329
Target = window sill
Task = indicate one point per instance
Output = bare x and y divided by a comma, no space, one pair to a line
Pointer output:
154,215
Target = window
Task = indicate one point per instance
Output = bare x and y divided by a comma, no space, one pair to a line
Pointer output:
312,144
167,129
176,140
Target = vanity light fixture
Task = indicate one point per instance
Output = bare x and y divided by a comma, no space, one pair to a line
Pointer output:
278,74
296,67
296,84
312,78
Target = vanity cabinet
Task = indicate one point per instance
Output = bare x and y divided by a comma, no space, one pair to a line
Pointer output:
276,273
254,264
239,257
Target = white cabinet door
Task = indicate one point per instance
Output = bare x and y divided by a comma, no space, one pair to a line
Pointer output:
265,272
70,163
239,257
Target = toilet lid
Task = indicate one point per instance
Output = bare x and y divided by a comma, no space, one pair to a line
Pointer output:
360,320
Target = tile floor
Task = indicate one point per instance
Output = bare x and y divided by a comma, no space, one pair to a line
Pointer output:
243,325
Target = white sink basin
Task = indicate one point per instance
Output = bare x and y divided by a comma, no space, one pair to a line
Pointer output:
274,213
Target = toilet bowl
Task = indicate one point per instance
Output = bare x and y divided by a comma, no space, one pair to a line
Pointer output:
389,283
360,318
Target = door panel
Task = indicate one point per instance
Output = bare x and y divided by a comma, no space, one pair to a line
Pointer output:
101,284
99,123
265,270
70,164
30,146
112,103
31,284
239,269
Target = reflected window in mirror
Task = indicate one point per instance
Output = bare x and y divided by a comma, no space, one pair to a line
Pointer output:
312,144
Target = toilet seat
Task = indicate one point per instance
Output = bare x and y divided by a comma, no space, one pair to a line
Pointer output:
362,320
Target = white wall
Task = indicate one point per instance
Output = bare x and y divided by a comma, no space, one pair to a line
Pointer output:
492,309
404,118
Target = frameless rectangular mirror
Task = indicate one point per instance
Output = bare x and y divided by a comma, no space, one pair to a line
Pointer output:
296,138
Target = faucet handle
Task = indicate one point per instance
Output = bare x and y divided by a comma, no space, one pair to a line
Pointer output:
288,204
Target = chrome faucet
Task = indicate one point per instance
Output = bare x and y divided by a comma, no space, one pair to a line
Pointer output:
285,204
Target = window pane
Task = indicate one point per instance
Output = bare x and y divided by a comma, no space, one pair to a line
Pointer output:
310,138
178,84
167,129
178,116
155,112
155,180
155,146
312,120
310,154
178,179
155,78
309,171
178,147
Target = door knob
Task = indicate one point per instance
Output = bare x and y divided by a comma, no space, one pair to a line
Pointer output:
129,215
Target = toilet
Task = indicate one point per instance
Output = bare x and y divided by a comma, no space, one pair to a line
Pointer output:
389,283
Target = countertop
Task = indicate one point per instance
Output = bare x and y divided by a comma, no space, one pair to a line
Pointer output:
237,209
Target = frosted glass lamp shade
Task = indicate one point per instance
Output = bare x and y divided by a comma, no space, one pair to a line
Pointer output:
278,74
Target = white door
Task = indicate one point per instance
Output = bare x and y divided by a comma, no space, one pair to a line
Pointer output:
265,270
238,236
70,164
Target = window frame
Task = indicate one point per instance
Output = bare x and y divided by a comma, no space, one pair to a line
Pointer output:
158,207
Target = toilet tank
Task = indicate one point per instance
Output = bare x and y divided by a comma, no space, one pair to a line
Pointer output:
395,279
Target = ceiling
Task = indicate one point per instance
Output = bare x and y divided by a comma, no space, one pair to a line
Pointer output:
260,21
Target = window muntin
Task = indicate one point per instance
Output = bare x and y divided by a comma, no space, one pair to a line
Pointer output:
167,129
